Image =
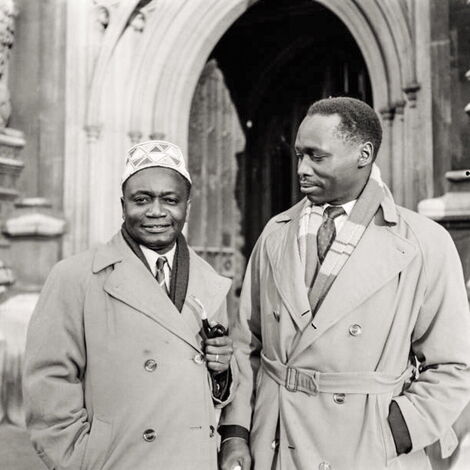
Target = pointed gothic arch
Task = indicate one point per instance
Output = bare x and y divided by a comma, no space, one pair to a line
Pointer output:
180,35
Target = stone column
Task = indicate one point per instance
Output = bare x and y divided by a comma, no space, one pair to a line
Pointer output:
11,143
386,166
452,210
11,140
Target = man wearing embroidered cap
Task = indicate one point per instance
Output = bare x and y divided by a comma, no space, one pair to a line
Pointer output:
344,294
119,371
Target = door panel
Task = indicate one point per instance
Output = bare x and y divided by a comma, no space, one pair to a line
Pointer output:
215,140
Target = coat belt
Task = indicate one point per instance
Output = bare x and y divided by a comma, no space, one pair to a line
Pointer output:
314,381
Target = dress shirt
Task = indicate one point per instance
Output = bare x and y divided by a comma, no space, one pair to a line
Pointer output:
339,221
152,256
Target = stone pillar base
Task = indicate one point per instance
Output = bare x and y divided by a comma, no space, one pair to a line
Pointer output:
34,232
452,211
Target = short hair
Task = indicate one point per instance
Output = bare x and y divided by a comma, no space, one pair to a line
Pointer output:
359,122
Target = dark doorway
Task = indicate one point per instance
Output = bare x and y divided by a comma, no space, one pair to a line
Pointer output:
278,58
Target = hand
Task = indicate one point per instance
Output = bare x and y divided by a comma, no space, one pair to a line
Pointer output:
218,353
235,453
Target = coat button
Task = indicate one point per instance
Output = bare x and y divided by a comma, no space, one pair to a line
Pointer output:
150,365
355,330
198,359
212,433
149,435
339,398
324,466
275,444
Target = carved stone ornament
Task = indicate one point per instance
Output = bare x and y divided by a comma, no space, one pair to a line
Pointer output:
411,91
137,22
7,32
102,16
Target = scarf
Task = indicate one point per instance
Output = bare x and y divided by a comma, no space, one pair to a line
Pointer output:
346,240
179,270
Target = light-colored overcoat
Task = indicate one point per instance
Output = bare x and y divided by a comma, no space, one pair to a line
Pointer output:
110,360
401,293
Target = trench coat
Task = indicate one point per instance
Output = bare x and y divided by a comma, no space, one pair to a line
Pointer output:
315,391
114,375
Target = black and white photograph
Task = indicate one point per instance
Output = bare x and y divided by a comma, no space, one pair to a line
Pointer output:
234,234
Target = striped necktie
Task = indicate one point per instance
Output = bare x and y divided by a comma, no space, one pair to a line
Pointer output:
160,274
327,230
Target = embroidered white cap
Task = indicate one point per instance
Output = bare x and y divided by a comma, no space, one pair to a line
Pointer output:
154,153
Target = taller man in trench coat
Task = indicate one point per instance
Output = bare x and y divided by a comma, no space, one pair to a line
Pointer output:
353,336
117,375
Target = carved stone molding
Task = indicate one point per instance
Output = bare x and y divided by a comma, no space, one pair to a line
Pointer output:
40,225
102,16
11,143
135,136
137,21
411,92
7,277
32,219
388,114
157,135
400,107
453,205
34,232
93,132
7,33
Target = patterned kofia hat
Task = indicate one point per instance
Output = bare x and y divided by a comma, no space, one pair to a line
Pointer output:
154,153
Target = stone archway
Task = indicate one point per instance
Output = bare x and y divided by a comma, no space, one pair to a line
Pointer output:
179,37
383,33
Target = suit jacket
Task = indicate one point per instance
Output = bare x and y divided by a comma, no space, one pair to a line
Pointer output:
401,293
114,376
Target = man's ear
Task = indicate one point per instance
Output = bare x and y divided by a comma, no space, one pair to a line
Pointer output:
188,210
366,155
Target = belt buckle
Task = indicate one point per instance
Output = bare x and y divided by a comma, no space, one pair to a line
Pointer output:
291,378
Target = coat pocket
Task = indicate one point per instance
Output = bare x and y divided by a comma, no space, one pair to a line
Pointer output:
383,404
416,460
97,445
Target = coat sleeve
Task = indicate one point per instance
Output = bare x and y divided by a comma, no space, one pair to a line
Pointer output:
441,343
246,333
228,380
54,367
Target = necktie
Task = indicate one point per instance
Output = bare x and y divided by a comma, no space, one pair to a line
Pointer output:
327,231
160,274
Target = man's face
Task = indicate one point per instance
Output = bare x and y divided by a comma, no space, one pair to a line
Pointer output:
328,166
154,205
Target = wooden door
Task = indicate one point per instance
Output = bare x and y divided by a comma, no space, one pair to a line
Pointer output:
215,141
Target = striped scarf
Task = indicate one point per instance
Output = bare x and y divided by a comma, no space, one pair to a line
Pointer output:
346,240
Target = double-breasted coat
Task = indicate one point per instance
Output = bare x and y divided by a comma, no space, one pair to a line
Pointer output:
315,392
114,374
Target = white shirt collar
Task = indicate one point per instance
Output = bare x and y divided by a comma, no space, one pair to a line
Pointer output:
152,256
347,206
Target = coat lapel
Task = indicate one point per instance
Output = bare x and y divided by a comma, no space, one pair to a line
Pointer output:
133,284
208,287
287,268
378,258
